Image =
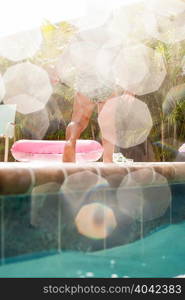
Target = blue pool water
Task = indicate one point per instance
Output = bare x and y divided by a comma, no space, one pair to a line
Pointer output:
160,254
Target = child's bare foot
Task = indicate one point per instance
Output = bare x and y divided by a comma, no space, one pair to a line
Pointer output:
69,152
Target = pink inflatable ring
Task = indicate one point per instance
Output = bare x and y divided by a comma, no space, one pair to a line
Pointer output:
34,150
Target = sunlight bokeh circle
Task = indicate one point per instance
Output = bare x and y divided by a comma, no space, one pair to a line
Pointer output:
65,69
95,221
21,45
30,126
97,13
25,103
28,86
77,186
139,69
80,181
129,21
81,67
125,121
130,67
106,58
165,20
144,197
100,37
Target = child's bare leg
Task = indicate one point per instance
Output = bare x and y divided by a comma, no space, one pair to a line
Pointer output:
107,146
82,111
72,134
108,151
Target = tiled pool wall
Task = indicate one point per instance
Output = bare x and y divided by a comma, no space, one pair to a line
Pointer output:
39,222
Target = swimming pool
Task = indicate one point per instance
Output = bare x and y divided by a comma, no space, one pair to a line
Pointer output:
158,256
43,234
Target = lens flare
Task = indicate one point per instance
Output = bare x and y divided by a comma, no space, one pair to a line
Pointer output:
25,103
139,69
76,187
144,195
95,221
30,122
80,181
86,63
105,60
130,67
95,62
100,37
28,86
82,52
47,188
125,121
81,67
21,45
65,69
165,20
129,22
97,13
89,84
100,193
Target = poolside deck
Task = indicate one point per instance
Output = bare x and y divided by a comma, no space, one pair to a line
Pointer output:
20,178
